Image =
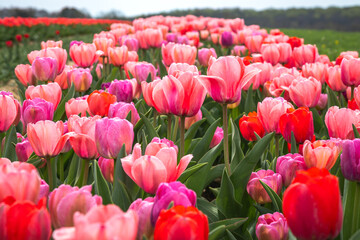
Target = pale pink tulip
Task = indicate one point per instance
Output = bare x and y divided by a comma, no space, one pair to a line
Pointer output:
58,53
339,122
51,43
317,70
253,43
24,73
83,54
81,78
305,54
118,56
103,44
305,92
350,71
9,111
61,79
50,92
76,106
334,79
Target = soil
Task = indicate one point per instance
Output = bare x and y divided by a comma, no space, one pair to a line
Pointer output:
10,86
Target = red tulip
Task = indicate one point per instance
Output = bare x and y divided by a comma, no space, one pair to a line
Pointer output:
181,222
249,125
300,122
99,102
312,205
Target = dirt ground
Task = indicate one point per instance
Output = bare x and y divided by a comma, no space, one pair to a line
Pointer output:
10,86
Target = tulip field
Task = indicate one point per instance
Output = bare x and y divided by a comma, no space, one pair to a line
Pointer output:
177,128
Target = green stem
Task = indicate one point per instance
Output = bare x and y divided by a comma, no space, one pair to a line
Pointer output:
351,203
277,140
175,130
2,135
86,172
182,136
154,117
352,92
121,73
226,139
61,167
50,174
104,67
169,127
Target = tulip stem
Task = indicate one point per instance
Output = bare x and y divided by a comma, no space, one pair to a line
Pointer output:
175,130
85,171
154,117
61,159
277,140
226,139
352,92
182,136
121,73
104,67
49,170
2,135
169,127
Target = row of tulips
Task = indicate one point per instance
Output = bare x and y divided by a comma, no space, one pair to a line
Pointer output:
131,139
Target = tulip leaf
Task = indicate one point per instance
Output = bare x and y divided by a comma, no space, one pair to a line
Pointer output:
207,115
262,210
215,172
96,85
150,128
21,90
193,143
332,99
190,171
226,201
202,147
356,132
351,206
10,142
101,186
293,143
207,208
241,174
60,110
217,233
355,236
35,160
249,103
230,224
318,122
190,133
74,165
230,235
276,201
112,75
197,181
236,152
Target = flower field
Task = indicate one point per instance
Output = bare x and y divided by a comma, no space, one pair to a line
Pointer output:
177,128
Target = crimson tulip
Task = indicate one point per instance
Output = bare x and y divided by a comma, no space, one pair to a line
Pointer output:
249,125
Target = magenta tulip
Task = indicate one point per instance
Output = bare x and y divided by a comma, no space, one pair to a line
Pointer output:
37,109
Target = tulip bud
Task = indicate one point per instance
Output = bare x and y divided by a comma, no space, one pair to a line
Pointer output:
272,226
81,78
144,208
249,125
107,168
122,89
24,74
37,109
218,137
44,68
99,102
204,55
350,159
122,109
23,150
287,166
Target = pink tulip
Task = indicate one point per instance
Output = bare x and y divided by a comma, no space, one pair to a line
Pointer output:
58,53
133,56
50,92
270,53
24,73
263,73
334,79
20,181
81,78
339,122
239,50
159,164
51,44
23,150
305,92
83,54
147,90
181,96
280,84
357,95
285,52
217,138
191,120
350,71
178,53
317,70
287,166
131,43
272,226
118,56
324,59
142,71
76,106
9,111
176,69
253,43
204,55
225,79
101,222
269,112
305,54
149,38
144,208
107,168
111,134
103,44
122,109
62,79
36,109
65,200
44,68
122,89
82,136
46,137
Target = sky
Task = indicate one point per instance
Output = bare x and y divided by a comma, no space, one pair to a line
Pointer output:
136,7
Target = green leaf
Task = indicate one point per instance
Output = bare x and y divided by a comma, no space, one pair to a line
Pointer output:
332,99
276,201
150,128
318,122
215,172
74,165
190,133
202,147
112,75
217,233
207,115
60,110
190,171
207,208
230,224
351,206
262,210
230,235
21,90
241,174
10,142
35,160
356,132
249,103
293,143
226,201
101,186
355,236
236,152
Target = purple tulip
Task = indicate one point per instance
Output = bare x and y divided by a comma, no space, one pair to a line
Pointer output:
272,226
257,191
37,109
142,71
287,166
111,134
174,192
81,78
132,44
45,68
350,159
76,43
226,39
23,150
143,209
171,37
122,89
122,109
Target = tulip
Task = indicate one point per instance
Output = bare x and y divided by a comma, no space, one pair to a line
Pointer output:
285,52
350,160
25,75
101,222
299,122
262,74
269,112
295,42
107,168
189,121
83,54
111,134
62,78
19,181
147,90
312,205
287,166
37,109
133,56
317,70
143,70
122,89
122,109
339,122
159,164
280,84
99,102
350,71
132,44
217,138
118,56
58,53
334,79
51,44
305,92
25,220
50,92
272,226
253,43
98,70
204,55
239,51
178,53
65,200
44,68
143,209
305,54
103,44
176,69
321,153
23,150
257,191
183,223
76,106
9,111
249,125
226,39
270,53
81,78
